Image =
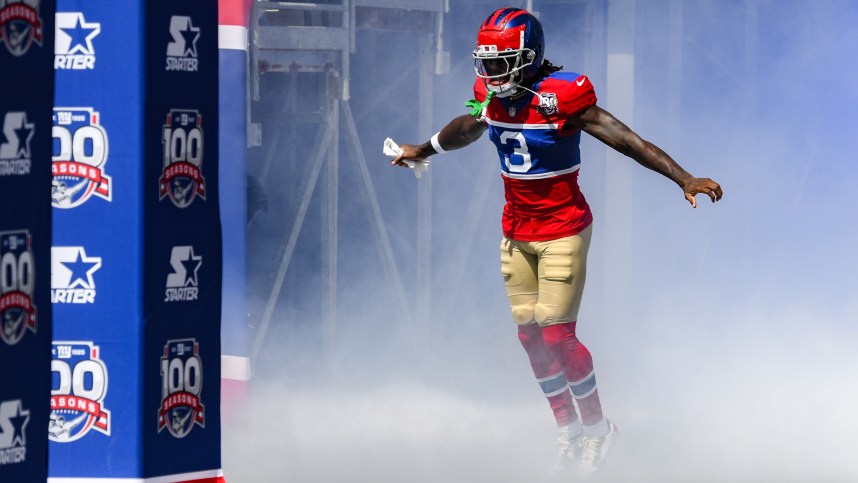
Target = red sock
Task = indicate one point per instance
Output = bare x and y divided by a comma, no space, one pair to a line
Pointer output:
577,365
548,373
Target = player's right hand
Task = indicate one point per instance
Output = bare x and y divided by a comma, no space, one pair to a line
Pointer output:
410,152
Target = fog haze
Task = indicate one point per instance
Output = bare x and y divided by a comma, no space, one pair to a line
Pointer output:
735,359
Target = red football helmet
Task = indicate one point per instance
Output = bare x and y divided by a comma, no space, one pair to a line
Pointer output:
510,50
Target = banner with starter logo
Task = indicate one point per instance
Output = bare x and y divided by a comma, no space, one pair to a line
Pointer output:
26,97
137,245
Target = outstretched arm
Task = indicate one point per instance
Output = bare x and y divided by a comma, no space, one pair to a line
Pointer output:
458,133
602,125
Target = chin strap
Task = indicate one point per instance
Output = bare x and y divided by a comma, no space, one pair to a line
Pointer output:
477,106
533,91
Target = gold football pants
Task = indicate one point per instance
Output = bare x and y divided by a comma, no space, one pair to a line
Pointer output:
545,280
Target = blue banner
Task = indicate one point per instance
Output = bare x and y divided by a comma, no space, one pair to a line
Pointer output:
97,240
183,238
26,88
136,245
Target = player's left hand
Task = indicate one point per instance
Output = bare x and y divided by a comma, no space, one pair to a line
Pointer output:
695,186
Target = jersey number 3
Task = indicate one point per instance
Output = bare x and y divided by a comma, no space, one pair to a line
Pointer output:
520,150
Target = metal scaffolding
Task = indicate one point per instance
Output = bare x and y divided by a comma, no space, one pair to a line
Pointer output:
318,38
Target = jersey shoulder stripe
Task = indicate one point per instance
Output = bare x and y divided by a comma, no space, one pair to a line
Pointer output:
525,125
541,175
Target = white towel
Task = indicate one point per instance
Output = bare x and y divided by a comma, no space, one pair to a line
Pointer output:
393,150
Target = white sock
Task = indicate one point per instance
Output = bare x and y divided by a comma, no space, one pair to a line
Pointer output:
573,430
600,429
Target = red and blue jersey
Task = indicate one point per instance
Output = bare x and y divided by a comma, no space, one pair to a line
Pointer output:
540,156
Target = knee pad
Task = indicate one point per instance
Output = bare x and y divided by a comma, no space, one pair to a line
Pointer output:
551,314
523,313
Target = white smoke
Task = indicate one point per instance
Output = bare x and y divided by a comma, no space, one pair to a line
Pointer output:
738,361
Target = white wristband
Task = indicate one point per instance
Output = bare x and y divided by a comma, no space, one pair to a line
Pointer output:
436,144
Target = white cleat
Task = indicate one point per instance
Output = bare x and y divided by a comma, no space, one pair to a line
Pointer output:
594,450
568,454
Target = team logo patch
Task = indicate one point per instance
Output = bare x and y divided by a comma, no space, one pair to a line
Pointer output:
183,284
72,275
547,103
182,177
78,389
20,25
13,439
182,50
73,49
79,156
181,384
17,280
15,157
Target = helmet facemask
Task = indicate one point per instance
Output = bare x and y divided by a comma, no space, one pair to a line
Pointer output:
502,71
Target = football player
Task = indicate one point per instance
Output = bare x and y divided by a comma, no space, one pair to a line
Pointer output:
534,113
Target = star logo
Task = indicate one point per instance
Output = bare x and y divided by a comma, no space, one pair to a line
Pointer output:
185,37
190,35
191,265
25,134
19,422
17,133
13,423
82,269
185,267
75,266
75,34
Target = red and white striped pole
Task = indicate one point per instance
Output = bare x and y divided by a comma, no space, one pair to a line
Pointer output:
233,25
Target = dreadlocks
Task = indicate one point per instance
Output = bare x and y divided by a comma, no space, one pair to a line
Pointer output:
547,68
